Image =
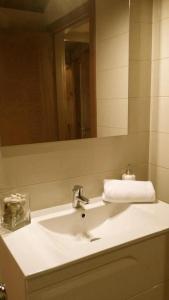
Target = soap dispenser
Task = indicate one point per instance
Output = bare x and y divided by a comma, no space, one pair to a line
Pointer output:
128,174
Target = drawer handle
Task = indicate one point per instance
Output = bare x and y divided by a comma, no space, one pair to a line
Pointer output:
3,294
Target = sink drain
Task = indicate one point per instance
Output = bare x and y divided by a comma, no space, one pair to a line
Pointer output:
95,239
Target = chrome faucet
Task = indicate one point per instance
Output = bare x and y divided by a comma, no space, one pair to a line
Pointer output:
78,198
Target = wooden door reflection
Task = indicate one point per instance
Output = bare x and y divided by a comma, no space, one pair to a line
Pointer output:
77,89
47,81
27,97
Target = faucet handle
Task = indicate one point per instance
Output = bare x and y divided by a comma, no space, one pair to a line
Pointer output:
78,188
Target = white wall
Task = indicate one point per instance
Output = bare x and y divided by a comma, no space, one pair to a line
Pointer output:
159,134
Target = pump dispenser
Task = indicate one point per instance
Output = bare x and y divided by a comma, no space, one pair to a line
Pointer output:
128,174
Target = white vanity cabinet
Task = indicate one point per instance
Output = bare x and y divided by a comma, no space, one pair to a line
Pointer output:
127,259
133,272
158,292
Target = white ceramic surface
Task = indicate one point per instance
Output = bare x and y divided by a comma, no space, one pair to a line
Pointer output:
60,235
94,223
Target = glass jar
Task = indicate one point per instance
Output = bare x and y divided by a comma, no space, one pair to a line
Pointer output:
15,210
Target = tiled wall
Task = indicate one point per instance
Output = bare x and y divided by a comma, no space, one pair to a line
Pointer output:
48,171
159,134
140,65
112,49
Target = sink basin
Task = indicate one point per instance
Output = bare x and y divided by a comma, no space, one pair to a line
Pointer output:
94,223
62,235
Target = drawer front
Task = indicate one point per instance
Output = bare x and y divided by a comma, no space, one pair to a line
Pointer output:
122,275
159,292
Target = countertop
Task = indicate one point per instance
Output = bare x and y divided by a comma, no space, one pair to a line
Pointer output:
36,252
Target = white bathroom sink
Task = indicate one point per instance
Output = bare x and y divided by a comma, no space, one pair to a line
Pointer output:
95,222
62,235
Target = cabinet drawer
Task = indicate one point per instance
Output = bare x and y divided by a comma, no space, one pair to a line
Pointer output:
118,275
158,292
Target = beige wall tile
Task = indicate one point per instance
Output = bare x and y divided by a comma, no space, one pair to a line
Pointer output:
159,149
164,38
160,178
54,164
164,9
159,134
159,114
113,52
140,41
160,75
156,10
60,192
139,111
161,39
112,113
156,41
160,10
139,79
141,11
83,159
112,83
112,60
111,18
104,131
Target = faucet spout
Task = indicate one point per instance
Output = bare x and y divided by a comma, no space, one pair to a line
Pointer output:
78,199
83,199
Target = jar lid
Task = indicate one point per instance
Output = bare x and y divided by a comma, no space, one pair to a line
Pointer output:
15,199
129,170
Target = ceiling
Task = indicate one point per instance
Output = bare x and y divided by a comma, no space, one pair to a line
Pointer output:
26,5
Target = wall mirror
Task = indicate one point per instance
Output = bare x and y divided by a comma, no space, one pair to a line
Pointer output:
60,70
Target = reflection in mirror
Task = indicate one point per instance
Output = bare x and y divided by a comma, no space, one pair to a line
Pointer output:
74,79
48,71
112,62
77,73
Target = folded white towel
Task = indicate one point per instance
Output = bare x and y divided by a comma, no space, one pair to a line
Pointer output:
127,191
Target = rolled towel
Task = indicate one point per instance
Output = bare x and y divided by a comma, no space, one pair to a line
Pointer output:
127,191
